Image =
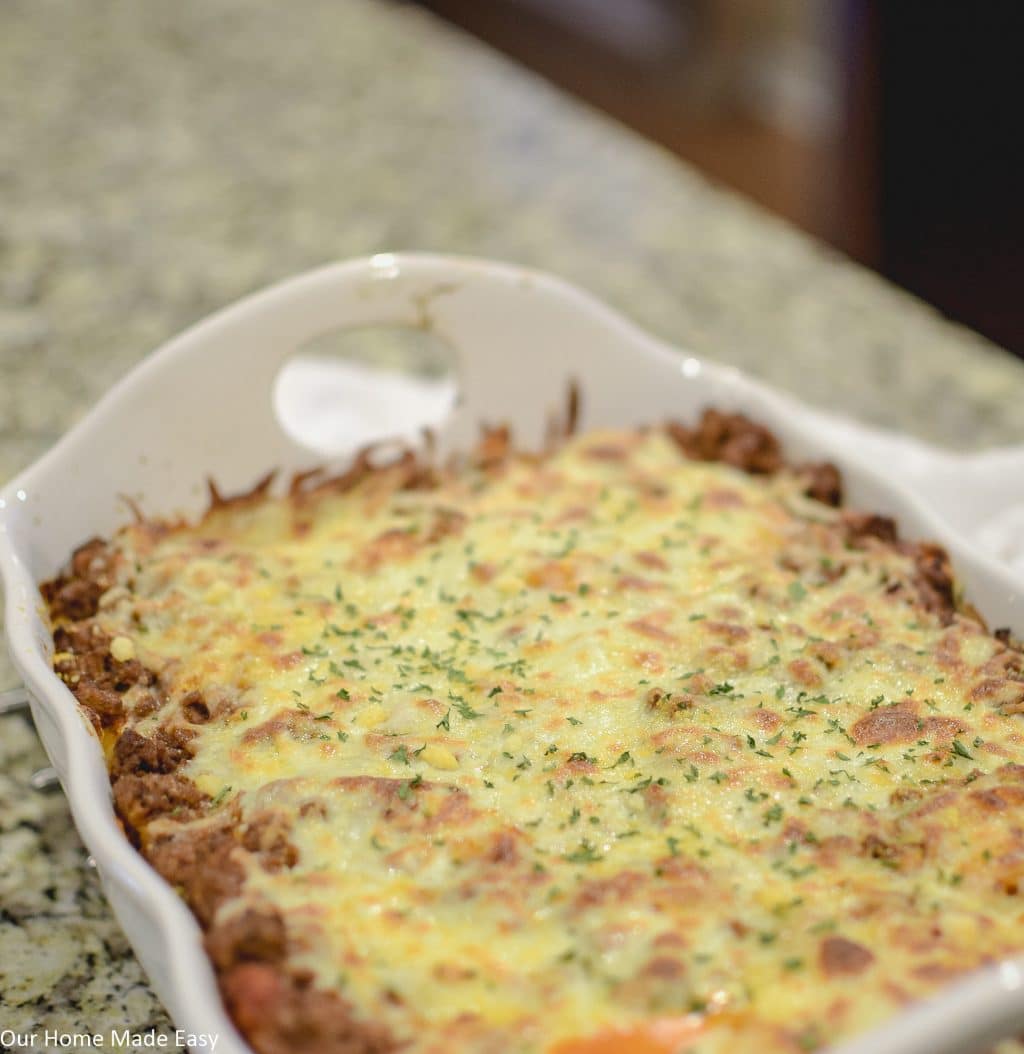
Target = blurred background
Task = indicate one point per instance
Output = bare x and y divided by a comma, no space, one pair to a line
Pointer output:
887,129
158,161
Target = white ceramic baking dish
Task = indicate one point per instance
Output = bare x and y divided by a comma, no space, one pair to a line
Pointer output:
202,406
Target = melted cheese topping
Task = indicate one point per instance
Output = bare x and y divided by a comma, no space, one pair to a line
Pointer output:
609,751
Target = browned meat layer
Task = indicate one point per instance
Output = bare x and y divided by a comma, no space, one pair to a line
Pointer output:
85,664
203,863
863,525
75,595
162,752
145,781
731,438
934,579
140,799
255,934
279,1009
824,483
281,1012
735,440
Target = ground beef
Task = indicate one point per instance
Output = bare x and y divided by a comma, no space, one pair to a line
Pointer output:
77,599
140,799
145,782
736,440
267,836
860,526
202,863
95,677
104,706
252,935
731,438
278,1010
206,862
75,596
162,752
934,580
824,483
280,1013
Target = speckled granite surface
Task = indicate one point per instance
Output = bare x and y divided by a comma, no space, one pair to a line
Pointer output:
159,160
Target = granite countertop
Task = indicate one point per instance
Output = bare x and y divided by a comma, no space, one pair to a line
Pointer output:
158,161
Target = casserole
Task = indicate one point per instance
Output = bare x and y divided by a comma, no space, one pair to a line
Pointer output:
509,328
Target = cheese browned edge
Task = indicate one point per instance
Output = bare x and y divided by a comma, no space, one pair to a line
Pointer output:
278,1006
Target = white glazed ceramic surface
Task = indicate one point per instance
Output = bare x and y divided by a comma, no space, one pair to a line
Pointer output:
202,406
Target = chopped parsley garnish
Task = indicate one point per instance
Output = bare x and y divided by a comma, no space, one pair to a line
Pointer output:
465,710
406,788
585,854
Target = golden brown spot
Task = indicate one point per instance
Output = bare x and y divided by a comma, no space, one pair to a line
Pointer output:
505,847
269,729
606,452
553,574
769,720
987,688
826,652
935,973
665,968
723,498
729,630
839,957
391,545
652,560
943,729
890,724
999,798
649,629
649,660
947,651
804,673
484,572
574,514
636,582
618,889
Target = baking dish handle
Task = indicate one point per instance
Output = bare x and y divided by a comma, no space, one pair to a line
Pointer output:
519,339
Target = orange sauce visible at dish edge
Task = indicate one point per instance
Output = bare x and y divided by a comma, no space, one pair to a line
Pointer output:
662,1036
